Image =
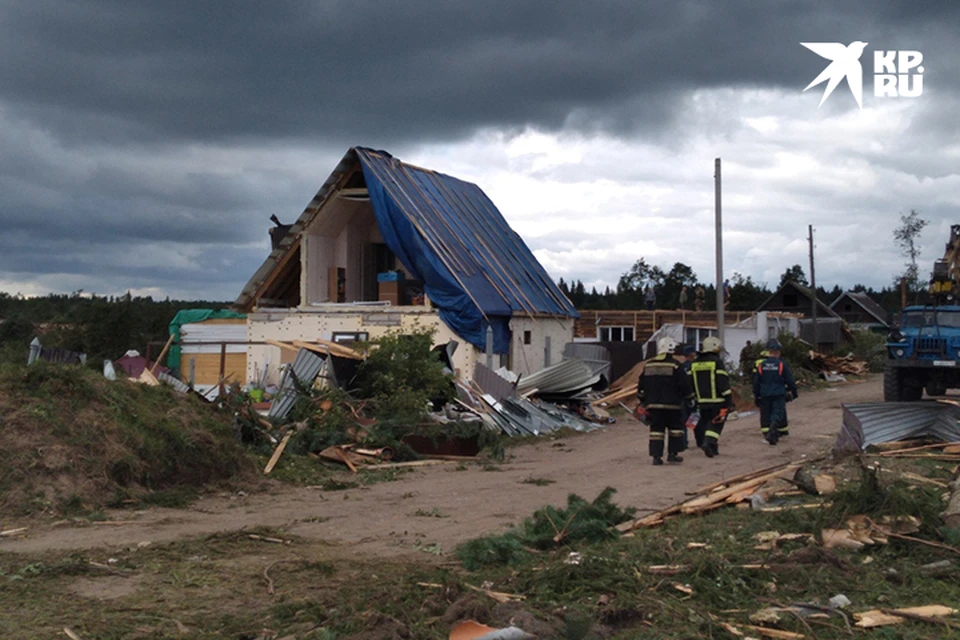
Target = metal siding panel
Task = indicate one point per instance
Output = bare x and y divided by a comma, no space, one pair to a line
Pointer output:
305,368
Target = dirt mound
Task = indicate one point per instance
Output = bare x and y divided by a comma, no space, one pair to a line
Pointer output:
72,439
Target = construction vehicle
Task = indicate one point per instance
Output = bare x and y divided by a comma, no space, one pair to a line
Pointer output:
924,352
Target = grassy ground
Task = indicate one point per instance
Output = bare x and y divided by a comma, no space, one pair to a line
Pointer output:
219,586
74,441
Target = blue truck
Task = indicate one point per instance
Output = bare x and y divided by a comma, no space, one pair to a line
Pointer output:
924,352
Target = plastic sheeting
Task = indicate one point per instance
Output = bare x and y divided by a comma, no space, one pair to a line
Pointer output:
448,234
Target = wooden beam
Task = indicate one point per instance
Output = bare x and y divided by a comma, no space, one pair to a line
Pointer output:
156,362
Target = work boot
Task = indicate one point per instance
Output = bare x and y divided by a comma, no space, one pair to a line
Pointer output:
674,458
773,437
657,462
708,449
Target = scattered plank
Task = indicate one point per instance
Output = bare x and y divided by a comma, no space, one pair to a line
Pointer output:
277,453
499,596
343,456
67,631
886,617
931,614
740,478
923,479
404,465
774,633
257,536
935,445
14,532
695,505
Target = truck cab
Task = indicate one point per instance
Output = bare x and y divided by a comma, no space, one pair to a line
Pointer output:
923,353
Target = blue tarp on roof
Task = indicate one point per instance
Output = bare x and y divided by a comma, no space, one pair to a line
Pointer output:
448,234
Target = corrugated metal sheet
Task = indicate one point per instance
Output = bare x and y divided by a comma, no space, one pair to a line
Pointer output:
304,369
492,383
564,377
871,423
596,356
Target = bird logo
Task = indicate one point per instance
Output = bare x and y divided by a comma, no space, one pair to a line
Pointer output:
844,63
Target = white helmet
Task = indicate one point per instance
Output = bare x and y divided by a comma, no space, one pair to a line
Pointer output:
712,345
666,345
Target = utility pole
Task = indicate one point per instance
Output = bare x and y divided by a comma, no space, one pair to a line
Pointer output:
813,285
719,233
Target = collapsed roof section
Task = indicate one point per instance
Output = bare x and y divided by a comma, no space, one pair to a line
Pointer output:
445,232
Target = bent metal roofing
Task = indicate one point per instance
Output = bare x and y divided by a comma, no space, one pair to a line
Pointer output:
458,224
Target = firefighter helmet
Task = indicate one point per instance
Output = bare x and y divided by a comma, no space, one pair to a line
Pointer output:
712,345
666,345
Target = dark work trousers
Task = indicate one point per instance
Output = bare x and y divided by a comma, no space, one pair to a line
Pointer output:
773,417
707,433
665,424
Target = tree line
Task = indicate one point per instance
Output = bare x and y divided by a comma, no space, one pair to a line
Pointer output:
745,293
103,327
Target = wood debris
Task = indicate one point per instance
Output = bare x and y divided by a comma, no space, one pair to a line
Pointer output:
886,617
714,496
499,596
14,532
277,453
846,365
861,531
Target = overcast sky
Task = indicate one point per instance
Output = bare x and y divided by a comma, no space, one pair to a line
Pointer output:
144,144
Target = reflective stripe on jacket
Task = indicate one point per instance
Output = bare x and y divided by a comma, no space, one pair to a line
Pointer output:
664,384
711,383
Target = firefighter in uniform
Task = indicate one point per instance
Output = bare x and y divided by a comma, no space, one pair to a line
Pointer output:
771,384
711,384
663,388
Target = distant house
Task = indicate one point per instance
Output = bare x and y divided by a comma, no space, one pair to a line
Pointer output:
860,311
794,298
385,246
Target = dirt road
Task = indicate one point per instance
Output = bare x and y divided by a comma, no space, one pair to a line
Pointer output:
438,507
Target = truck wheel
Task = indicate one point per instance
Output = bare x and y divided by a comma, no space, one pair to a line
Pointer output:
936,389
895,388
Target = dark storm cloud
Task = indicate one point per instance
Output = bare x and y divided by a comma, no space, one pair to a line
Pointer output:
360,71
182,125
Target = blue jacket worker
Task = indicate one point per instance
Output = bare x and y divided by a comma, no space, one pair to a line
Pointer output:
711,384
663,388
772,381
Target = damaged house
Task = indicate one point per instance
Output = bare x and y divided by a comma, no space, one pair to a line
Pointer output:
386,246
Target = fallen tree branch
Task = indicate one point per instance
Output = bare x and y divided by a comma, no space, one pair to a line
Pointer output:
929,543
